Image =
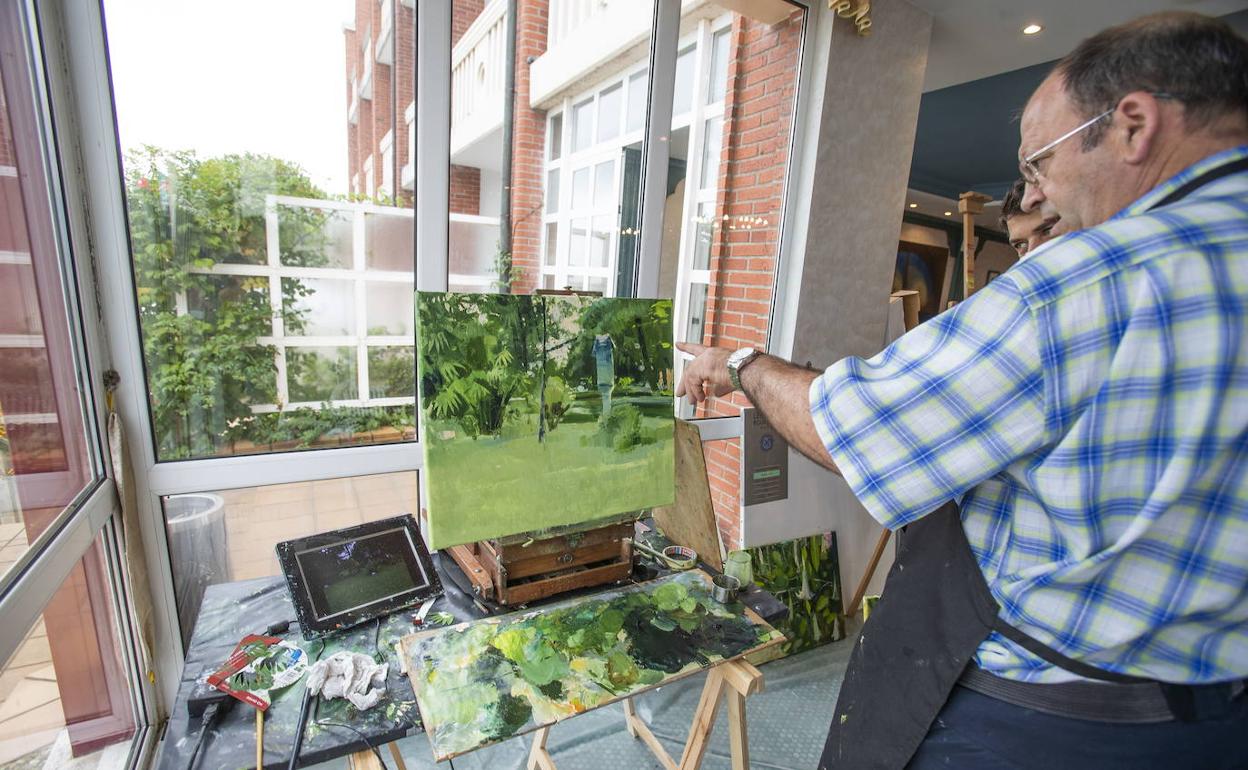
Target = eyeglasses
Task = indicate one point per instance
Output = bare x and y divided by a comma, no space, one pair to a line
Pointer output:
1029,167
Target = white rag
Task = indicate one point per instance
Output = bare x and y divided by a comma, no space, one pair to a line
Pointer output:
350,675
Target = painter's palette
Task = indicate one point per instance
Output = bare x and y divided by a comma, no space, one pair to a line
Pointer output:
487,680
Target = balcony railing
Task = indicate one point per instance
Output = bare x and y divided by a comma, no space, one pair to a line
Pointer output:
567,15
478,70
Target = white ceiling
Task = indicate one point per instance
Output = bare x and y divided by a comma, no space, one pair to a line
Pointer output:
972,39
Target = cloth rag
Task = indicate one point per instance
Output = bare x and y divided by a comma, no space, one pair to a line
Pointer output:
350,675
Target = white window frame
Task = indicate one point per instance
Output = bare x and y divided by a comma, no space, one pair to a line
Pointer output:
359,276
91,517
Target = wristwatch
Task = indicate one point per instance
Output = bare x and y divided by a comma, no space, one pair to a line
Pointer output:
738,361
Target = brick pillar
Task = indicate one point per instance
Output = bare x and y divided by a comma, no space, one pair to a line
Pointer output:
758,118
528,145
465,190
405,63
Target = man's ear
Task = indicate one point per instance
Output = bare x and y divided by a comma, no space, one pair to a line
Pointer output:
1137,122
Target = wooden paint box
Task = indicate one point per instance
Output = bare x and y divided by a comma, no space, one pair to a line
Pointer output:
521,569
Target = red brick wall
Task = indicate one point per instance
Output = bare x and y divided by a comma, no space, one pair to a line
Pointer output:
758,119
463,13
351,45
465,190
529,140
405,61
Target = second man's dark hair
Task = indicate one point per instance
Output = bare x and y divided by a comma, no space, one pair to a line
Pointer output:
1012,204
1197,60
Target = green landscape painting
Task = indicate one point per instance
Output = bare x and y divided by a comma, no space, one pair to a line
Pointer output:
805,574
486,680
542,411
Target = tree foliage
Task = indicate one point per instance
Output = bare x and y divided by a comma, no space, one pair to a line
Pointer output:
205,367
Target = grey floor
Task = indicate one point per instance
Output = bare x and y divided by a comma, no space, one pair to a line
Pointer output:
786,723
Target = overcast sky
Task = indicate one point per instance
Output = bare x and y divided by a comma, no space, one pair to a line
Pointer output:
263,76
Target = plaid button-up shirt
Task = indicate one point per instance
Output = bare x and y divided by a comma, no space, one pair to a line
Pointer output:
1089,409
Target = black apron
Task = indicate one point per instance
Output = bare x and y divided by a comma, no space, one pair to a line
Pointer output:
935,611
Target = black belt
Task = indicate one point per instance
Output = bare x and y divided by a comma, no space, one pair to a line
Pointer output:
1137,703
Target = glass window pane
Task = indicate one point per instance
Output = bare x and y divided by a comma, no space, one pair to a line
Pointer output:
46,458
572,106
389,242
697,313
580,189
682,98
556,137
257,167
552,242
600,249
582,125
309,237
597,284
390,308
719,67
226,535
637,98
318,307
391,372
705,223
548,281
578,244
609,103
604,184
473,255
317,375
552,191
712,146
65,694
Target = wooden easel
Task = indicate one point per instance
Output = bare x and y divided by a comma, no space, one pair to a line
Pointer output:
736,678
367,760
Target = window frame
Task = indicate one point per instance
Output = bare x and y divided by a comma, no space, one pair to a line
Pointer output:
92,516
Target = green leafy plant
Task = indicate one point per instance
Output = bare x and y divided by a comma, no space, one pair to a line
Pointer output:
206,368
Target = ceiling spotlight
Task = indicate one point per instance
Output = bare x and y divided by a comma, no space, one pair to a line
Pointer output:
914,205
948,213
1032,29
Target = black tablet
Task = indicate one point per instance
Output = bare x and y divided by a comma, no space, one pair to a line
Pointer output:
349,576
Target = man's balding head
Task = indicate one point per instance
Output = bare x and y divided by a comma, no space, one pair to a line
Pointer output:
1172,89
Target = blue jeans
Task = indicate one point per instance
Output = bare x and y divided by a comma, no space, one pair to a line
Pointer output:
975,731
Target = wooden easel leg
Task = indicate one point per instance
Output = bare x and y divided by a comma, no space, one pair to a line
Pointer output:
539,757
703,721
397,755
737,737
639,729
629,716
363,760
740,680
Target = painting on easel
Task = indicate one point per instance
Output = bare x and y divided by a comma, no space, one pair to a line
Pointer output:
486,680
542,411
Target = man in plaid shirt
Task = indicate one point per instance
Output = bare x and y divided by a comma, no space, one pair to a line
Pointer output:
1088,410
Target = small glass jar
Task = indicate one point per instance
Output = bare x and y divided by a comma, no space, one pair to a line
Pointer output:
741,566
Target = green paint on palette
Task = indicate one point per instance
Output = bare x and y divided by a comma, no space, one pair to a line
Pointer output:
490,679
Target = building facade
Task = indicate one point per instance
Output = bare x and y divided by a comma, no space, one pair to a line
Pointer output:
579,121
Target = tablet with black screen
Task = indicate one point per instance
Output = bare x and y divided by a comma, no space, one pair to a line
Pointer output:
349,576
